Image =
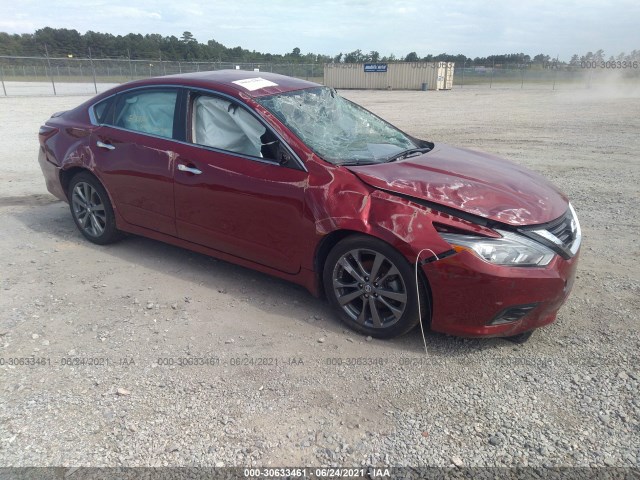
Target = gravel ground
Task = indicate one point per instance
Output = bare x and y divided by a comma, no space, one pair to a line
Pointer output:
272,390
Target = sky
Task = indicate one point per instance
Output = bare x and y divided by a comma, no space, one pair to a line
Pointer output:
473,28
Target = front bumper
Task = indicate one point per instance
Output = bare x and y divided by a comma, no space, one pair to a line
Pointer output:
469,293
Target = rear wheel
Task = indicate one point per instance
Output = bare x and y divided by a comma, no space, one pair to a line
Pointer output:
91,209
373,287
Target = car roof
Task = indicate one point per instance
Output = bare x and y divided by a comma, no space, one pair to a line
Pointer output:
233,82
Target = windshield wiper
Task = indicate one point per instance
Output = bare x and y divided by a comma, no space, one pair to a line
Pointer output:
353,163
397,156
408,152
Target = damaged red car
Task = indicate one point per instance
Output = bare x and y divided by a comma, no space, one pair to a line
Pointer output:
287,177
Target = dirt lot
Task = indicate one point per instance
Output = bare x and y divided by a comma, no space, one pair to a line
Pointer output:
99,319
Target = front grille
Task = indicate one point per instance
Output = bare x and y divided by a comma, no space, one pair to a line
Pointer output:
562,230
562,235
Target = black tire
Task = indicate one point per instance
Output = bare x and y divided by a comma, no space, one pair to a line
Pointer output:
520,338
91,209
363,274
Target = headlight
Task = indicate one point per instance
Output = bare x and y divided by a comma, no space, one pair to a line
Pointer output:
511,250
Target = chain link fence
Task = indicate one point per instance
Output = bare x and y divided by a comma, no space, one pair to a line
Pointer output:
63,76
552,76
67,76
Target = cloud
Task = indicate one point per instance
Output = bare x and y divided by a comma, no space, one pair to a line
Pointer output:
132,13
17,25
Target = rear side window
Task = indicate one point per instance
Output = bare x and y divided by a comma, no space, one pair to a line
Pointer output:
102,110
150,111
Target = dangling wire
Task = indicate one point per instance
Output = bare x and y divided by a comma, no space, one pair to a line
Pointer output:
424,340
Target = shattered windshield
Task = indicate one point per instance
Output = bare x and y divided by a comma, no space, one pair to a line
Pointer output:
339,131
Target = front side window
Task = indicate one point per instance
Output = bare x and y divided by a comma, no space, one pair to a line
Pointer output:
221,124
336,129
147,112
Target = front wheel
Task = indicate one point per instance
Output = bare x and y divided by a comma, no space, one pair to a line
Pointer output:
373,287
91,209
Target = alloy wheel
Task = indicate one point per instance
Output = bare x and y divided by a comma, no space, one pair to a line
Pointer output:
88,208
369,288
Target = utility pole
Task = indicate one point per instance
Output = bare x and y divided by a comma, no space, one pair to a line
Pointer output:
53,84
130,69
2,79
93,70
492,69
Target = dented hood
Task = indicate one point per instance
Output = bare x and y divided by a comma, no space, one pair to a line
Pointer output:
474,182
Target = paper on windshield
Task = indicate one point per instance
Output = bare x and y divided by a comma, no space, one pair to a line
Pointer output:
252,84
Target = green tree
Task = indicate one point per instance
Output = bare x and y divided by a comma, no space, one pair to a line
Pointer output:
354,57
541,59
187,37
412,57
587,57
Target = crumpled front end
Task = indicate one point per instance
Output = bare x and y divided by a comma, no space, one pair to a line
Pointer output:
506,285
472,298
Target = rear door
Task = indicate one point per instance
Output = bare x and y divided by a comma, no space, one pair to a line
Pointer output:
134,150
231,194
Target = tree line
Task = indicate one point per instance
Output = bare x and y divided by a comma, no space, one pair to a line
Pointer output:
63,42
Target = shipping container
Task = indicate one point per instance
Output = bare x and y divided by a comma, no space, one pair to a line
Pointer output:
390,76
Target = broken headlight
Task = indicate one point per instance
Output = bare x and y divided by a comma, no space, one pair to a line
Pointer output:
511,250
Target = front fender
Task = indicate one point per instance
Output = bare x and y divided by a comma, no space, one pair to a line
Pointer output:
339,201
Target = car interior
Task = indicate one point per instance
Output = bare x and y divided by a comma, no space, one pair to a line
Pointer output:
221,124
148,112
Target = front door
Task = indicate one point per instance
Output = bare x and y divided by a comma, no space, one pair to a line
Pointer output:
230,196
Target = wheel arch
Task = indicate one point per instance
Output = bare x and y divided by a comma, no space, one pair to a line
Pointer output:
68,173
330,240
110,232
322,252
368,241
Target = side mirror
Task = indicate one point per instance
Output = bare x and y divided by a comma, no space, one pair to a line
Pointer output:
283,155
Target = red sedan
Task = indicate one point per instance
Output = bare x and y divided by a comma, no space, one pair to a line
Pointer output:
287,177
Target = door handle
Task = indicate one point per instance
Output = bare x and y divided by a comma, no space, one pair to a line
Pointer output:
108,146
184,168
